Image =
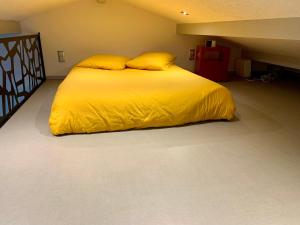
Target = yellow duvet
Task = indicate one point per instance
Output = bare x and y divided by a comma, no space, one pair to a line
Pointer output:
94,100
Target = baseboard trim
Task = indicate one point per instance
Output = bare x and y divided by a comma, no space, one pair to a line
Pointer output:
55,77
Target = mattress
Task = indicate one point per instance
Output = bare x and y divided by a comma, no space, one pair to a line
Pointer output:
95,100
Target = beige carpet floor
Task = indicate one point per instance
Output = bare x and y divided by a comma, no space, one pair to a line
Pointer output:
245,172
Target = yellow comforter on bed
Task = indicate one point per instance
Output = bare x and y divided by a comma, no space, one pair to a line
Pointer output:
94,100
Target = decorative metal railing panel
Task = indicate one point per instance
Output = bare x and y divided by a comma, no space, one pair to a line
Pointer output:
21,72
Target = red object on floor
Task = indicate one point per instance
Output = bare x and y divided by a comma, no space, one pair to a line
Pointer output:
212,63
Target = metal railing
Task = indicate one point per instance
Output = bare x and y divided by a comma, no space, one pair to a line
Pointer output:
22,71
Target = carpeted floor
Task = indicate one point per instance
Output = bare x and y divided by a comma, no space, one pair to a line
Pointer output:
245,172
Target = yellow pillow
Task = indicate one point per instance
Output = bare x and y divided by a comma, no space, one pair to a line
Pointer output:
107,62
152,61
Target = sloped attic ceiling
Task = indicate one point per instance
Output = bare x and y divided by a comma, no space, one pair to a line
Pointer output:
200,10
267,30
20,9
221,10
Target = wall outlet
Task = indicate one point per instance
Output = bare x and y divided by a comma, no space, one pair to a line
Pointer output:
192,54
61,56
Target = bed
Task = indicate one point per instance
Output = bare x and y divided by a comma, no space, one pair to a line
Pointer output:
96,100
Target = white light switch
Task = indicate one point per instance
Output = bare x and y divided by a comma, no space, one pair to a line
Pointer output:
61,56
192,54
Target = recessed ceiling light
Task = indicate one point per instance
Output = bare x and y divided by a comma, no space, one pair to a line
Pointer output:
101,1
184,13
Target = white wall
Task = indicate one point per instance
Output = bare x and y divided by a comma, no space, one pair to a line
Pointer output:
85,28
7,27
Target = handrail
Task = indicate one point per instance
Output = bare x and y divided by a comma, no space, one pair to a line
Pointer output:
9,38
